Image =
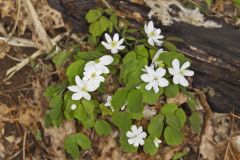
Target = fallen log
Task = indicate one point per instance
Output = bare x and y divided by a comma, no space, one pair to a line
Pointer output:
215,53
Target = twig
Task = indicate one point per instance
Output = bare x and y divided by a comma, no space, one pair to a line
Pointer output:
106,4
3,30
234,115
10,72
13,58
24,144
230,137
38,26
20,42
230,148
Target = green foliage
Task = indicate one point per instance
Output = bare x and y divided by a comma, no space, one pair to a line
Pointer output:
102,127
93,15
134,101
126,87
74,69
171,91
122,120
195,121
155,127
60,58
209,2
149,147
179,155
172,136
237,3
150,97
119,99
73,142
124,144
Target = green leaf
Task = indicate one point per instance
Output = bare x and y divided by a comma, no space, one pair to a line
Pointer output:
122,120
192,104
94,28
169,108
195,121
155,127
89,123
237,3
209,2
126,147
105,110
104,24
169,46
93,15
88,106
89,55
171,90
60,58
83,141
141,51
102,127
56,105
149,146
71,146
150,97
173,121
80,113
113,19
179,155
74,69
168,57
134,101
172,136
119,99
133,80
180,114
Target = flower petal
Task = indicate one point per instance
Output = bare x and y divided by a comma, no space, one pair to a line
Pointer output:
74,88
176,64
134,129
185,65
116,37
121,41
77,96
130,134
87,96
183,81
163,82
161,72
106,60
150,26
108,38
114,50
150,41
120,47
171,71
78,81
136,142
106,45
141,142
146,78
131,140
146,29
176,79
188,73
149,86
155,88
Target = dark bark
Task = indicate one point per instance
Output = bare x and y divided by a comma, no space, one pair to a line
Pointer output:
216,62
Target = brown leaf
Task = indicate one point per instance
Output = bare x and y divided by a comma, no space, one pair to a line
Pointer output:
178,100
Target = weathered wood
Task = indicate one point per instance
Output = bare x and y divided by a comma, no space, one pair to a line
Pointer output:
216,61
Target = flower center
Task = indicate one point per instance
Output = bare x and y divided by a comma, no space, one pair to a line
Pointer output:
152,34
156,78
113,43
93,75
83,89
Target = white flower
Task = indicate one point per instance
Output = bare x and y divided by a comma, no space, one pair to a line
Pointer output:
179,73
94,76
156,142
81,89
113,44
136,136
123,107
154,78
100,64
108,103
73,107
155,60
153,34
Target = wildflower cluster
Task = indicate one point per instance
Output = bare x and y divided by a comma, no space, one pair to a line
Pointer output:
119,82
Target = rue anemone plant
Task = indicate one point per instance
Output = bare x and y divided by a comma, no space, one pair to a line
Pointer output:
118,84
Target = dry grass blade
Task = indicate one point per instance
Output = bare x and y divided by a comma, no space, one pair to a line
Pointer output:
20,42
38,26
